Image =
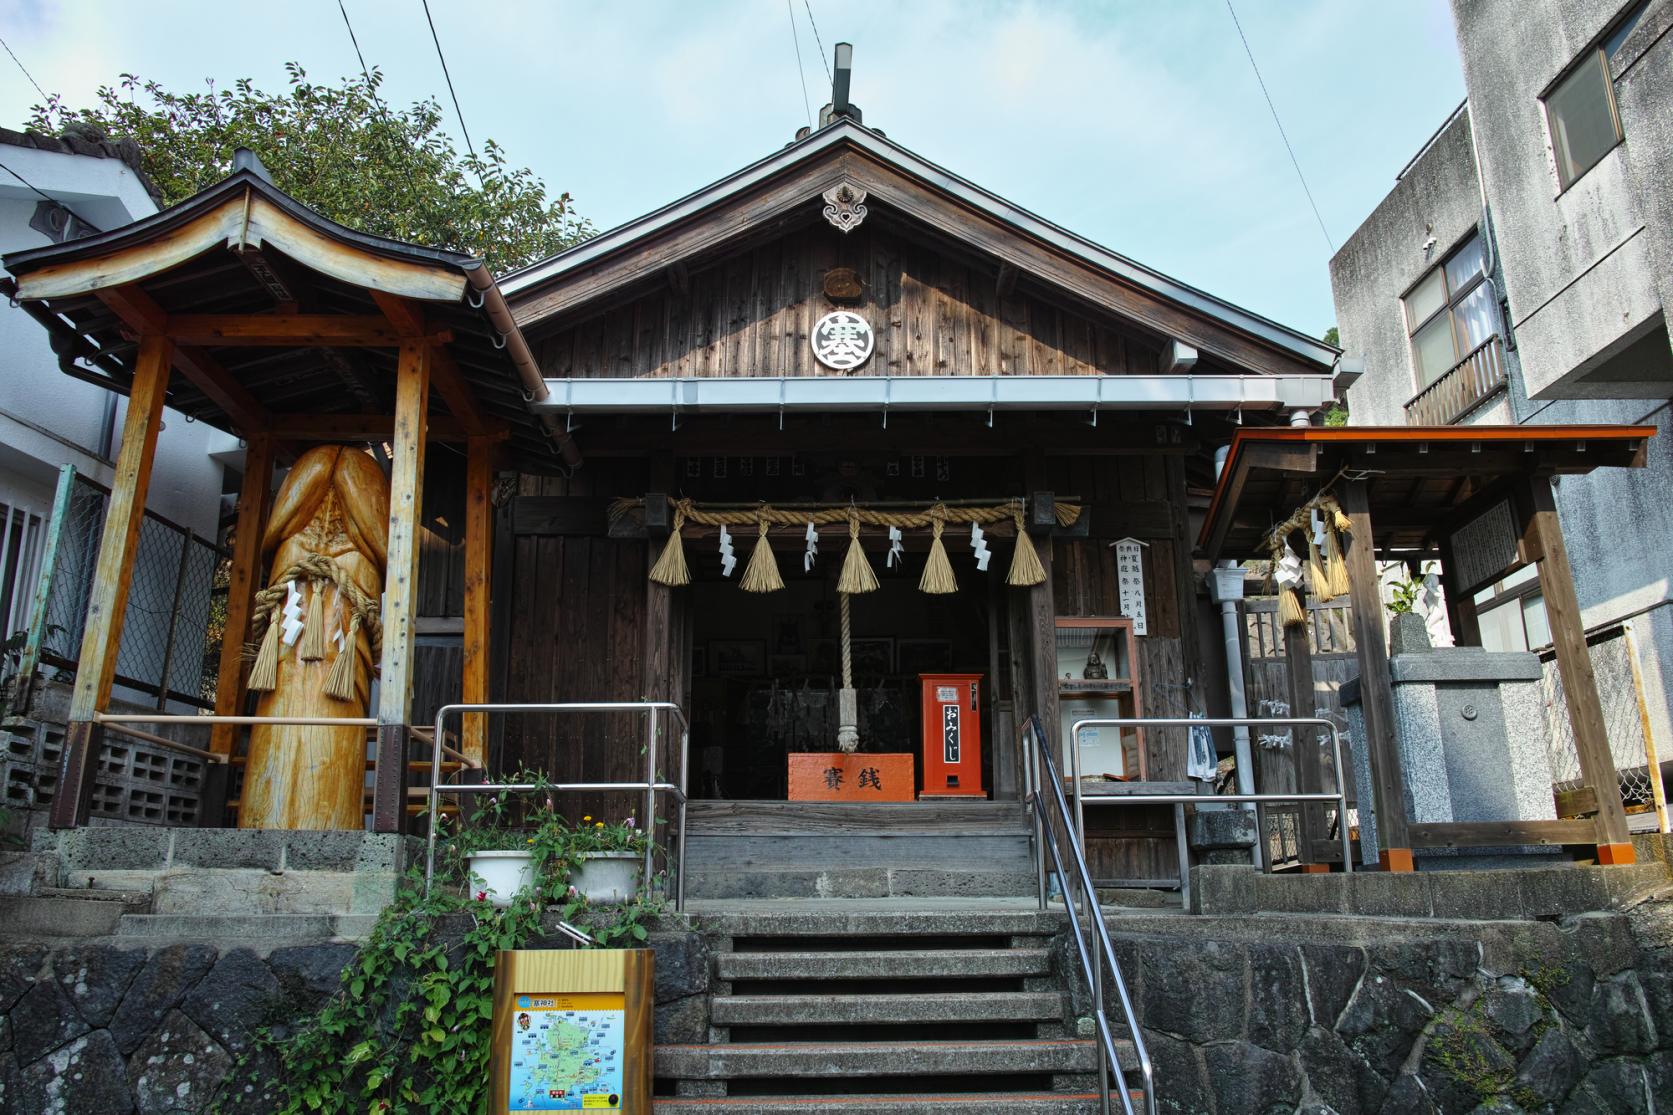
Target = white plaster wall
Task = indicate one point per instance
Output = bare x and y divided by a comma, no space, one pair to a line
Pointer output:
1437,198
1576,259
47,418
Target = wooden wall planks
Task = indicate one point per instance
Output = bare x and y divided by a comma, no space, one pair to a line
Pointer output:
932,314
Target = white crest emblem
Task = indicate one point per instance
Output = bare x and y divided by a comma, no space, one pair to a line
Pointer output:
842,340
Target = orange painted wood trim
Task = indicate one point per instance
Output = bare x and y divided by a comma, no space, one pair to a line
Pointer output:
1616,855
1398,859
254,496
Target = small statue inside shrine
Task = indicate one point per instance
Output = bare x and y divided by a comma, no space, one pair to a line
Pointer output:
318,628
1095,669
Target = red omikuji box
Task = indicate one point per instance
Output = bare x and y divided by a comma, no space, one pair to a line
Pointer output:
952,743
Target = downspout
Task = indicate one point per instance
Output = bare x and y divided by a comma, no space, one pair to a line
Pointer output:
499,317
1226,589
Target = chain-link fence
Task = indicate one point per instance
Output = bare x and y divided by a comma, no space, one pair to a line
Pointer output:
172,628
1623,720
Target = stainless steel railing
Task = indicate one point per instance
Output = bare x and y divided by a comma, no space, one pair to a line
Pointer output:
650,787
1096,951
1179,801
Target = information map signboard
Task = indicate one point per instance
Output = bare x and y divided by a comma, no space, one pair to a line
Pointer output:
572,1031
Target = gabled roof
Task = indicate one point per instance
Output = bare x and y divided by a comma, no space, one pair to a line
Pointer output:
243,247
767,191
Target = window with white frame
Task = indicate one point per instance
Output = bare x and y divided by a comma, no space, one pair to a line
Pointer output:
1450,312
1510,613
1580,108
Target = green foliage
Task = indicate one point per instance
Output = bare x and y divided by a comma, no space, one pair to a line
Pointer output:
1336,414
408,1029
1332,337
341,150
1405,596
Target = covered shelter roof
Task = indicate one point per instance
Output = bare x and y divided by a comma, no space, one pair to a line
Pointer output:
1419,479
286,322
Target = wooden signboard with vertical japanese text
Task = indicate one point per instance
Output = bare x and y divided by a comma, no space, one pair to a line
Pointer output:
572,1031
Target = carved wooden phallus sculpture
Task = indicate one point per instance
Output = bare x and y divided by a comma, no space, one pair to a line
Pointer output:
317,628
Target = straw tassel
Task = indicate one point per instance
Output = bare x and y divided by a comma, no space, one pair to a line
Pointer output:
1290,611
1025,562
264,674
762,572
312,648
339,683
1316,574
670,569
1335,564
938,571
857,575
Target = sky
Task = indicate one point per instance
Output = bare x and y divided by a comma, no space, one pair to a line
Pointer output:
1139,125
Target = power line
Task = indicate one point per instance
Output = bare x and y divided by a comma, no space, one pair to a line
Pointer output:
457,111
371,87
809,6
26,73
1274,108
795,37
49,198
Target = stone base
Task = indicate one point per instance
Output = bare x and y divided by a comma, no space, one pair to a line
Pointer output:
212,871
1222,836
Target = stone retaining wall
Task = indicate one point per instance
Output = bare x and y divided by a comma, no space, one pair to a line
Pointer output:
1352,1016
97,1027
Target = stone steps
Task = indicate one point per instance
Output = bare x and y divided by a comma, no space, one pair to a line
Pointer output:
1007,1103
56,912
885,964
875,1058
885,1009
854,850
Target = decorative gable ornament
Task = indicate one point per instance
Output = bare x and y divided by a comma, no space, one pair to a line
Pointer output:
845,206
842,340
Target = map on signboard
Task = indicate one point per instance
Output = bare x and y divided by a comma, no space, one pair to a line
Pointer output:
567,1052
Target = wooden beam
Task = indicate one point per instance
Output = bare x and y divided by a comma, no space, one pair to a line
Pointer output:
400,604
479,536
407,319
140,312
290,330
254,495
108,599
1309,755
372,427
1543,541
1494,834
1375,686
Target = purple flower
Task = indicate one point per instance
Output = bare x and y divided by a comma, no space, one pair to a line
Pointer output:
630,822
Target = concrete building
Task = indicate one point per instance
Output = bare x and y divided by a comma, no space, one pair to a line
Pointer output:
1519,273
54,189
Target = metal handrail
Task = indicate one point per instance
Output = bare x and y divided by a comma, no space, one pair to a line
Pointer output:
1039,771
651,786
1340,797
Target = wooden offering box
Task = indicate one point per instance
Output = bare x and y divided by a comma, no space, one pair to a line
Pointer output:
837,776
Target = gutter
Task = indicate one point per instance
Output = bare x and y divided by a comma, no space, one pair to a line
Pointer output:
825,394
535,391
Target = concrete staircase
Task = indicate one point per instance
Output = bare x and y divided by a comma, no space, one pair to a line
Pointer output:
883,1011
777,849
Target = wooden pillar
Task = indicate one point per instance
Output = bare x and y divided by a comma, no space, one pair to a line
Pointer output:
1375,687
102,637
254,496
479,535
1309,764
406,493
1542,541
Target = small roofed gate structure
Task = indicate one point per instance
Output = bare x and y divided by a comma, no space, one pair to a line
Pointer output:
1479,500
243,308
